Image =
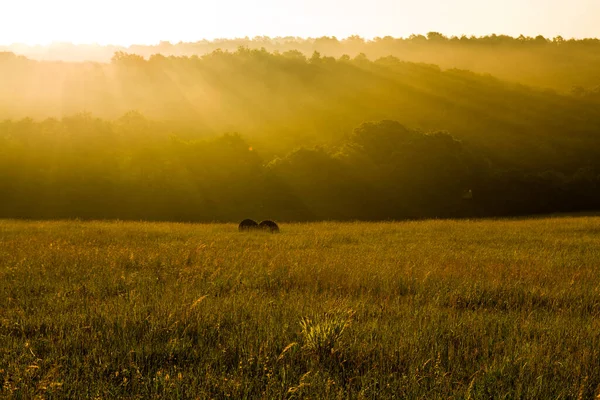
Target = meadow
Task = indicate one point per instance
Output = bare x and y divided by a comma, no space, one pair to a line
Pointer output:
469,309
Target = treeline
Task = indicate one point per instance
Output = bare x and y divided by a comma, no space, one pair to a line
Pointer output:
133,168
557,62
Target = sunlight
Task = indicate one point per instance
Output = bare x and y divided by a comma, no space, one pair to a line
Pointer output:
418,185
147,22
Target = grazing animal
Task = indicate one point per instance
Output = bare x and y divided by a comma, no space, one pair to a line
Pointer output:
247,225
269,226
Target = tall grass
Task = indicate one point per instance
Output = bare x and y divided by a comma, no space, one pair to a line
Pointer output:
431,310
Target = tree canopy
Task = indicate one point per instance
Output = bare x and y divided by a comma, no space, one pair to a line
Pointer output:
230,135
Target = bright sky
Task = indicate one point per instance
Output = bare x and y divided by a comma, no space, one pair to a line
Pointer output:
126,22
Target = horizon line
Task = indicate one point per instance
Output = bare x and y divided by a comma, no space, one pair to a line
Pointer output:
279,37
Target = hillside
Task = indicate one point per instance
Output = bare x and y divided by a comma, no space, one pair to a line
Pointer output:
558,63
286,100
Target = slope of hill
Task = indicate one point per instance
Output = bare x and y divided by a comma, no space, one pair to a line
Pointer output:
521,149
547,62
295,100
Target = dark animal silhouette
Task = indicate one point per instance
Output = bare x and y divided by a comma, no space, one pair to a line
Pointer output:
269,226
247,225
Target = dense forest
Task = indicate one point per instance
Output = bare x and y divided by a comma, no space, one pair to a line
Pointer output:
282,135
558,63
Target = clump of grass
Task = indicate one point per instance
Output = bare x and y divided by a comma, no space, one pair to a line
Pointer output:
321,336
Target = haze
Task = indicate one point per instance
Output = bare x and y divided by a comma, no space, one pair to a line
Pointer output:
150,21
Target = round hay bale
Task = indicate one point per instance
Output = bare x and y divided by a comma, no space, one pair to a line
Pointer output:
247,225
269,226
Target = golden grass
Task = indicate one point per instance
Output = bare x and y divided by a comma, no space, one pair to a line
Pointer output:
432,309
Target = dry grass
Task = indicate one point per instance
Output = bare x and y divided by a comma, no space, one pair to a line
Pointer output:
434,309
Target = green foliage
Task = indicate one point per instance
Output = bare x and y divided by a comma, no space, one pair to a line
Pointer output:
440,309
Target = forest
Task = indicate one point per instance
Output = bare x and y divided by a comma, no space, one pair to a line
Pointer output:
267,133
557,63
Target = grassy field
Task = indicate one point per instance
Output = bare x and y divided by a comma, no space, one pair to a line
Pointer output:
435,309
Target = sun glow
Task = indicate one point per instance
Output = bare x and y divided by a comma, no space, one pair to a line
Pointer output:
145,22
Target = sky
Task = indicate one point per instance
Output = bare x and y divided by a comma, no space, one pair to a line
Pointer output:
126,22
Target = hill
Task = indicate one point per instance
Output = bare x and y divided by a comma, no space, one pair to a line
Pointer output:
558,63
